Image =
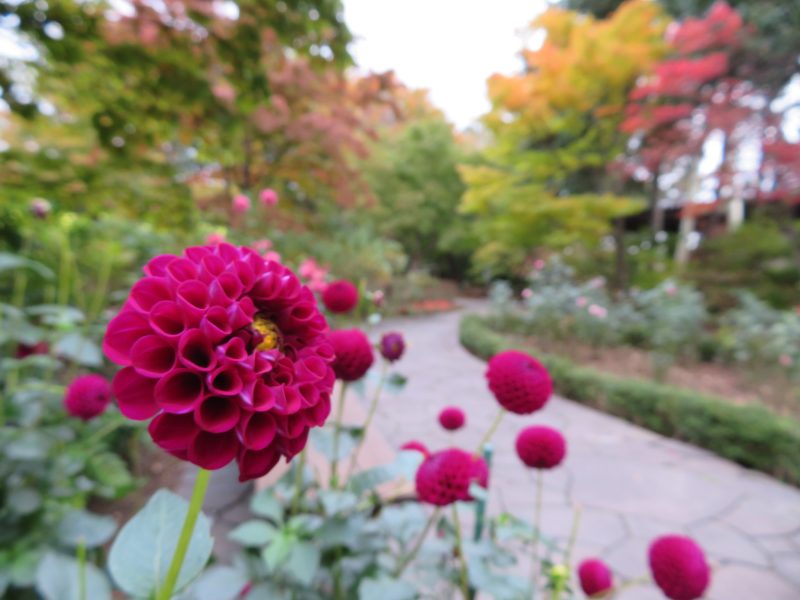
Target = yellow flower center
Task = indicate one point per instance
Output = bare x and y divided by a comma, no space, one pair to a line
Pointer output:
271,337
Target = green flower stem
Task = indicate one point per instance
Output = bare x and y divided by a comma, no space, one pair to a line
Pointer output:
462,567
195,504
337,430
406,560
537,520
81,569
488,436
573,534
105,430
298,481
370,414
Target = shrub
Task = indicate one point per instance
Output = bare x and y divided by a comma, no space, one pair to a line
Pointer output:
748,435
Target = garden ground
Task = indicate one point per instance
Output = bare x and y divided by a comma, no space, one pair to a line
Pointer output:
632,484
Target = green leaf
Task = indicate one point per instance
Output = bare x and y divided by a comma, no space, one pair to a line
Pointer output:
109,470
79,349
386,589
141,554
219,583
23,501
253,533
94,530
56,314
303,562
404,465
278,550
322,439
395,383
31,445
57,578
265,504
334,501
12,261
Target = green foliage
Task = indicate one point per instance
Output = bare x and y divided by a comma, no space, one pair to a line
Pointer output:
417,187
749,435
756,257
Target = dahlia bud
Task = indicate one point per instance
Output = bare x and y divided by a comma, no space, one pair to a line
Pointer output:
353,353
519,382
541,447
392,346
87,397
452,418
596,578
445,477
340,296
679,567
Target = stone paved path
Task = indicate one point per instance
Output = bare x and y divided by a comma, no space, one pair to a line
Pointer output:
632,484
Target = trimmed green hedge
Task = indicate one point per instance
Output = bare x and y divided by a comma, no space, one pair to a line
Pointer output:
749,435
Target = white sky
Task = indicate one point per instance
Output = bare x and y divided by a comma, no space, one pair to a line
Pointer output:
449,47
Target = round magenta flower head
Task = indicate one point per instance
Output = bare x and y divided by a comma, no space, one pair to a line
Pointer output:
227,353
340,296
452,418
40,208
392,346
541,447
444,477
240,204
595,577
679,567
268,197
87,396
353,353
416,446
520,383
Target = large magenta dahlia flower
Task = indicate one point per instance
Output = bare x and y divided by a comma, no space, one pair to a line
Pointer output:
596,578
444,477
520,383
340,296
227,353
354,355
87,396
679,567
541,447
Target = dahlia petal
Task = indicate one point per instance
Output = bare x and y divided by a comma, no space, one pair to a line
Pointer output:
197,253
195,351
157,266
213,264
215,324
263,397
193,298
153,356
291,447
182,270
217,414
148,292
179,391
134,394
254,464
245,273
166,320
233,351
123,331
297,317
225,381
225,289
258,430
173,433
213,450
228,252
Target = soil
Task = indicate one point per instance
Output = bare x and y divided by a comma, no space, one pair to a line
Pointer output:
773,390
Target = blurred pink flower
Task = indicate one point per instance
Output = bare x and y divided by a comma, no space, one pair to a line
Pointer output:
272,255
671,290
261,246
268,197
224,91
526,294
240,204
215,238
378,298
313,274
581,301
597,311
596,282
538,264
785,360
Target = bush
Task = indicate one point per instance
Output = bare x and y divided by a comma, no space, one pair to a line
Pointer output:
748,435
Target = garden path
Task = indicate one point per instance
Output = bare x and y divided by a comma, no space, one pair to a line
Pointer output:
631,484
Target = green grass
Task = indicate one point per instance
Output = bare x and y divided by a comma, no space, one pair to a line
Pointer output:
749,435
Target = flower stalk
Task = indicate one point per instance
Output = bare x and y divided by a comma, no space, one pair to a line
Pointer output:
337,430
370,415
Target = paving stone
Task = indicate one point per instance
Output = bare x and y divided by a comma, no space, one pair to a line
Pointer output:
788,565
725,543
739,582
764,514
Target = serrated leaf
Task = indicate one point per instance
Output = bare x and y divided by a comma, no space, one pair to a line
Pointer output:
80,525
141,553
253,533
58,576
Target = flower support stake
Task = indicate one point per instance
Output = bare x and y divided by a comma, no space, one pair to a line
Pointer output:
195,505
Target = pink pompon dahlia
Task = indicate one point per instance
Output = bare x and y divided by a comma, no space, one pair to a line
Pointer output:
444,477
340,296
227,353
416,446
541,447
392,346
520,383
268,197
353,353
87,396
679,567
240,204
452,418
596,578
